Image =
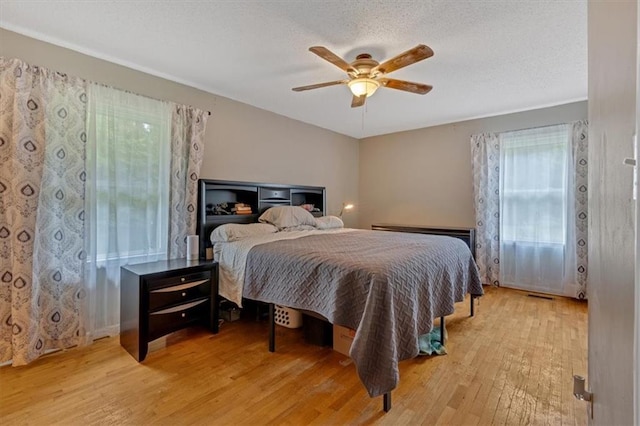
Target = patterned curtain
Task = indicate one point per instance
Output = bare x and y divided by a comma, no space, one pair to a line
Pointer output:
485,154
579,146
42,148
187,147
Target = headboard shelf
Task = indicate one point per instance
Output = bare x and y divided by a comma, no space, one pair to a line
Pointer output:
214,196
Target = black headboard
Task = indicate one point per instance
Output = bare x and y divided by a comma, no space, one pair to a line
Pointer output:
218,201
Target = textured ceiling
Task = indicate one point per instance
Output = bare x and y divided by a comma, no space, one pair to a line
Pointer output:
491,57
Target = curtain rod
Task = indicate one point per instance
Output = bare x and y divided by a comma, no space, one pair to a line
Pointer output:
537,127
106,85
146,96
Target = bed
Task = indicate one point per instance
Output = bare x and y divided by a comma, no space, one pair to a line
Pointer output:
387,286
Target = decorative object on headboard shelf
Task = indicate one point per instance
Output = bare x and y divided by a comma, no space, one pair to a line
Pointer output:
242,208
222,208
311,208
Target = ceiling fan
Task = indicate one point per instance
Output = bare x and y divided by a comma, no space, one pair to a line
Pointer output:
366,74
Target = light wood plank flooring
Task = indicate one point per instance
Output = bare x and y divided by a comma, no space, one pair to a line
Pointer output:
511,364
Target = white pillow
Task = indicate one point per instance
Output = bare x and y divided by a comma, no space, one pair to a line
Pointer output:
329,222
287,217
236,231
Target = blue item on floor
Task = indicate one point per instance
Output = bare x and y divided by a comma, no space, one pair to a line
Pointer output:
429,344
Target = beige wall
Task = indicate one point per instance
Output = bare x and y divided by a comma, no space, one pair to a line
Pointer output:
423,177
241,142
613,52
415,177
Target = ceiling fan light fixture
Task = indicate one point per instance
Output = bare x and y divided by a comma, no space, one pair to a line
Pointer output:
366,74
363,86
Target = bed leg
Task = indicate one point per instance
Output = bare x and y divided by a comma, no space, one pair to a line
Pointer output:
272,327
386,402
442,331
471,304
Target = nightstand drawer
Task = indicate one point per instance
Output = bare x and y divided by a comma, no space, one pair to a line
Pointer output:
187,290
171,319
156,283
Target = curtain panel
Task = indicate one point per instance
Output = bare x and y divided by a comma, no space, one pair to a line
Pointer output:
90,179
128,150
187,147
485,156
579,160
42,186
536,209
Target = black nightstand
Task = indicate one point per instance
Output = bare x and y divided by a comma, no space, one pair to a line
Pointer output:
158,298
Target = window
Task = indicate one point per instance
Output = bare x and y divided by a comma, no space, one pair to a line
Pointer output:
127,194
530,190
132,182
129,182
534,185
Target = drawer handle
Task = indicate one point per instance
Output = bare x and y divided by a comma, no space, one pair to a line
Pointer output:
184,315
179,287
184,294
182,279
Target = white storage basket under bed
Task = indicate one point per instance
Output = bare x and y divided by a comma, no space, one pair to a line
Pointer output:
288,317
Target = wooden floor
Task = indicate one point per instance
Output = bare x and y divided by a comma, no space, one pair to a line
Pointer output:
511,364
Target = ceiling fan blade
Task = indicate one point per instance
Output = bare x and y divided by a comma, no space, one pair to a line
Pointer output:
407,86
409,57
336,60
358,101
319,85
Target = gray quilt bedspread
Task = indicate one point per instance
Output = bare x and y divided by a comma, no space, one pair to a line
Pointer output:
387,286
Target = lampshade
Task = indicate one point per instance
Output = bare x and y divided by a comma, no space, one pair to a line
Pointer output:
363,86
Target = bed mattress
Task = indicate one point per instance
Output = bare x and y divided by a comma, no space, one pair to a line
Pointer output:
387,286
